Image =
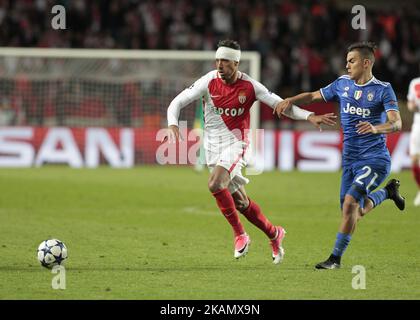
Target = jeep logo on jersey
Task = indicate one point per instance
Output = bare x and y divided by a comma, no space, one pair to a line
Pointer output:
242,97
230,112
356,110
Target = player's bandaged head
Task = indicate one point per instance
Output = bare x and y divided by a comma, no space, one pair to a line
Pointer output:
227,53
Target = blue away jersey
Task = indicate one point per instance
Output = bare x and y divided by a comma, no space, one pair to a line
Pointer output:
367,102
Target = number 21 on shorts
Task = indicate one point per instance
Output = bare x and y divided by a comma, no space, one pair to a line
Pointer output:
366,174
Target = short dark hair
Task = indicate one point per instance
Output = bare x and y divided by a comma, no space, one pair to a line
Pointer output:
229,43
365,48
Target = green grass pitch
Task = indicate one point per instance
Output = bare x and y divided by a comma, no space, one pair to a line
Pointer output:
156,233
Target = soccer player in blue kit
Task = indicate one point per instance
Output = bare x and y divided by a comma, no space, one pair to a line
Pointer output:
368,109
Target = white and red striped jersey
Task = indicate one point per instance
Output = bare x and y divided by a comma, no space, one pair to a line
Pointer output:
227,106
414,96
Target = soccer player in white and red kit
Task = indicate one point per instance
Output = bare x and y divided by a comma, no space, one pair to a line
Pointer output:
413,105
228,96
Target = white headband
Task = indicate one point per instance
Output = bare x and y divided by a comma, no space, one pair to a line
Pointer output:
228,54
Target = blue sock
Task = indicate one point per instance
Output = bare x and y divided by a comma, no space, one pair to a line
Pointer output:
341,244
378,197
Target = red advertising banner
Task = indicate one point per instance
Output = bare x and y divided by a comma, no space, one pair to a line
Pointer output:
127,147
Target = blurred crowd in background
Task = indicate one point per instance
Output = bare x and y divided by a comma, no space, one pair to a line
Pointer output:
302,43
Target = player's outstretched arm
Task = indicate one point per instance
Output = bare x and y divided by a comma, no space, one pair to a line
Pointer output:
393,124
329,119
300,99
194,92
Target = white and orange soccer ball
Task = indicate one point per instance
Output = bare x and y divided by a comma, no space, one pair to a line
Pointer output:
52,252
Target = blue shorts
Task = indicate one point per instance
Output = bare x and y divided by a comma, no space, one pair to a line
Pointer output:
360,178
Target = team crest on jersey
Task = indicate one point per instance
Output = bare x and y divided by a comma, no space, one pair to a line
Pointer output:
370,96
358,94
242,97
